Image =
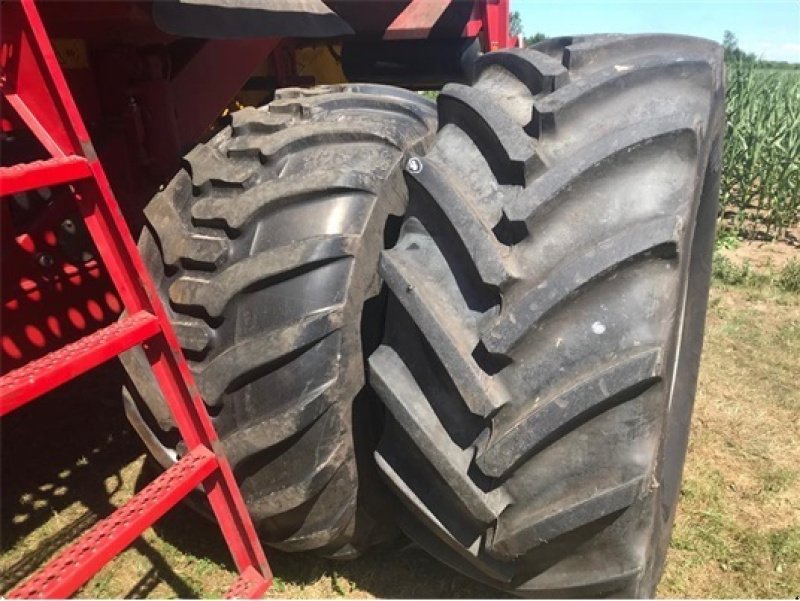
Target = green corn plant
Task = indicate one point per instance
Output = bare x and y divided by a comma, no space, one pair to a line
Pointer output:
761,173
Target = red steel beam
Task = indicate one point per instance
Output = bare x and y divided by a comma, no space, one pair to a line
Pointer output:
74,566
198,98
41,174
416,20
33,379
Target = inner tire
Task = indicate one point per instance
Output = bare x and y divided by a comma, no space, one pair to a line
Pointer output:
547,300
264,249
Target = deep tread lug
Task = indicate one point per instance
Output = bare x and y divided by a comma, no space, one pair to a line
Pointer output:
208,166
548,112
538,199
215,292
303,485
510,153
657,235
451,346
193,334
538,71
271,196
410,408
474,234
251,438
251,353
516,437
528,529
290,140
178,242
250,120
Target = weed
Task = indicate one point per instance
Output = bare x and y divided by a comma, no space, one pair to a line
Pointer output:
788,336
727,239
788,279
777,480
336,585
784,545
727,272
278,585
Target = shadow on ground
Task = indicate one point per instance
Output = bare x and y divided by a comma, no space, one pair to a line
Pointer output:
64,454
406,573
63,449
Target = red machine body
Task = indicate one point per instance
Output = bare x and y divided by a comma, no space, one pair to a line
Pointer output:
147,97
96,96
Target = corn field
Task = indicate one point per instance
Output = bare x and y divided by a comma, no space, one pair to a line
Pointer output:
761,175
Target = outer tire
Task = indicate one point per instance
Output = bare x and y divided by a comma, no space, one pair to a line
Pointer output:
549,289
265,248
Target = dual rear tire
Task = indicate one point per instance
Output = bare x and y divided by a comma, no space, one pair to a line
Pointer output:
535,346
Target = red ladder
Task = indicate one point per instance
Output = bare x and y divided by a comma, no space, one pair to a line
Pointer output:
34,86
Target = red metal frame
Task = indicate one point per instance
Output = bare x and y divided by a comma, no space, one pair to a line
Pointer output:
232,62
147,108
53,172
489,17
416,20
34,85
495,25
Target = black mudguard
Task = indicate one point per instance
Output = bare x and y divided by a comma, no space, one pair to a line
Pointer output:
248,18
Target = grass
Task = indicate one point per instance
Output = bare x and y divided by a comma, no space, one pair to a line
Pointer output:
789,277
737,531
727,272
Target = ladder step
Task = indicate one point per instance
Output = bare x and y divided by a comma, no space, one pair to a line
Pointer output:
76,564
41,174
21,385
249,585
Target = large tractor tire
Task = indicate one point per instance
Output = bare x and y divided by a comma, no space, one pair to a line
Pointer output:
548,294
265,251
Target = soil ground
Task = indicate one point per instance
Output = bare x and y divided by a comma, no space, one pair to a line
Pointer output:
762,255
68,459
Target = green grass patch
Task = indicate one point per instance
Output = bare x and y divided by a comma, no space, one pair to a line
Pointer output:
727,272
776,480
788,279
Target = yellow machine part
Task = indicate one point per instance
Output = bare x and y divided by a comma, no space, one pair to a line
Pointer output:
320,62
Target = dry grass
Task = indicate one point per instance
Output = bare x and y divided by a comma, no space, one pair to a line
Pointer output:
737,532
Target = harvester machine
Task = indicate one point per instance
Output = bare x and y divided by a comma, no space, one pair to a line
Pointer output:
354,313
